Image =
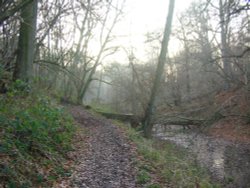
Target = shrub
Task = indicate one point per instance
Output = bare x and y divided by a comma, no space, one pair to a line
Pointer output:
35,136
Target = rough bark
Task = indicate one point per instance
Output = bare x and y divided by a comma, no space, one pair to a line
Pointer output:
26,43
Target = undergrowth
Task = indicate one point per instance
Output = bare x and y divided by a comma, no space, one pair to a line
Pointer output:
170,164
35,136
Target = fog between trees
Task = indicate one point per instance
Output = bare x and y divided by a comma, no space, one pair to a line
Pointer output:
69,47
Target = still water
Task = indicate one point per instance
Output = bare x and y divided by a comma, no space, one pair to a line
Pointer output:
228,162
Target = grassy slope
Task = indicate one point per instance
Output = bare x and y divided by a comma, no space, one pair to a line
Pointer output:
35,136
162,164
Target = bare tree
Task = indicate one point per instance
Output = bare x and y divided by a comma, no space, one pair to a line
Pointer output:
147,124
9,8
95,25
224,8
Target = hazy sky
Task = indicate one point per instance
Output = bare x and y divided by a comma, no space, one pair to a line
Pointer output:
142,16
151,13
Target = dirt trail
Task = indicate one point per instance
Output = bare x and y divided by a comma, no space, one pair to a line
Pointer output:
107,162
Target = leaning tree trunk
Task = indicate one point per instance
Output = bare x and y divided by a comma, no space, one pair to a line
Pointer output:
224,44
26,43
147,124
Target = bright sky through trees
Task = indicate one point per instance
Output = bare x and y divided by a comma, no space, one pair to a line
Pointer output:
143,17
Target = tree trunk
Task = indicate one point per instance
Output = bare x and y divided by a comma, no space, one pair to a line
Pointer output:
147,124
133,89
187,62
98,97
26,43
224,45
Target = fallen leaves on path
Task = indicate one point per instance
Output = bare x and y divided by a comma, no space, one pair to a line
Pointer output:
106,160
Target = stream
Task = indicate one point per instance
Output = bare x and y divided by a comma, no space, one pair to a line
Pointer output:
228,162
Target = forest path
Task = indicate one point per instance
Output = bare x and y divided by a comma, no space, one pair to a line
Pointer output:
107,160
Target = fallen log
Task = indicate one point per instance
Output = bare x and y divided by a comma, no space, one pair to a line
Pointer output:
180,122
184,121
177,120
117,116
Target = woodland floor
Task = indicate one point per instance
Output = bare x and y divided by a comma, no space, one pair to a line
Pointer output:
106,160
